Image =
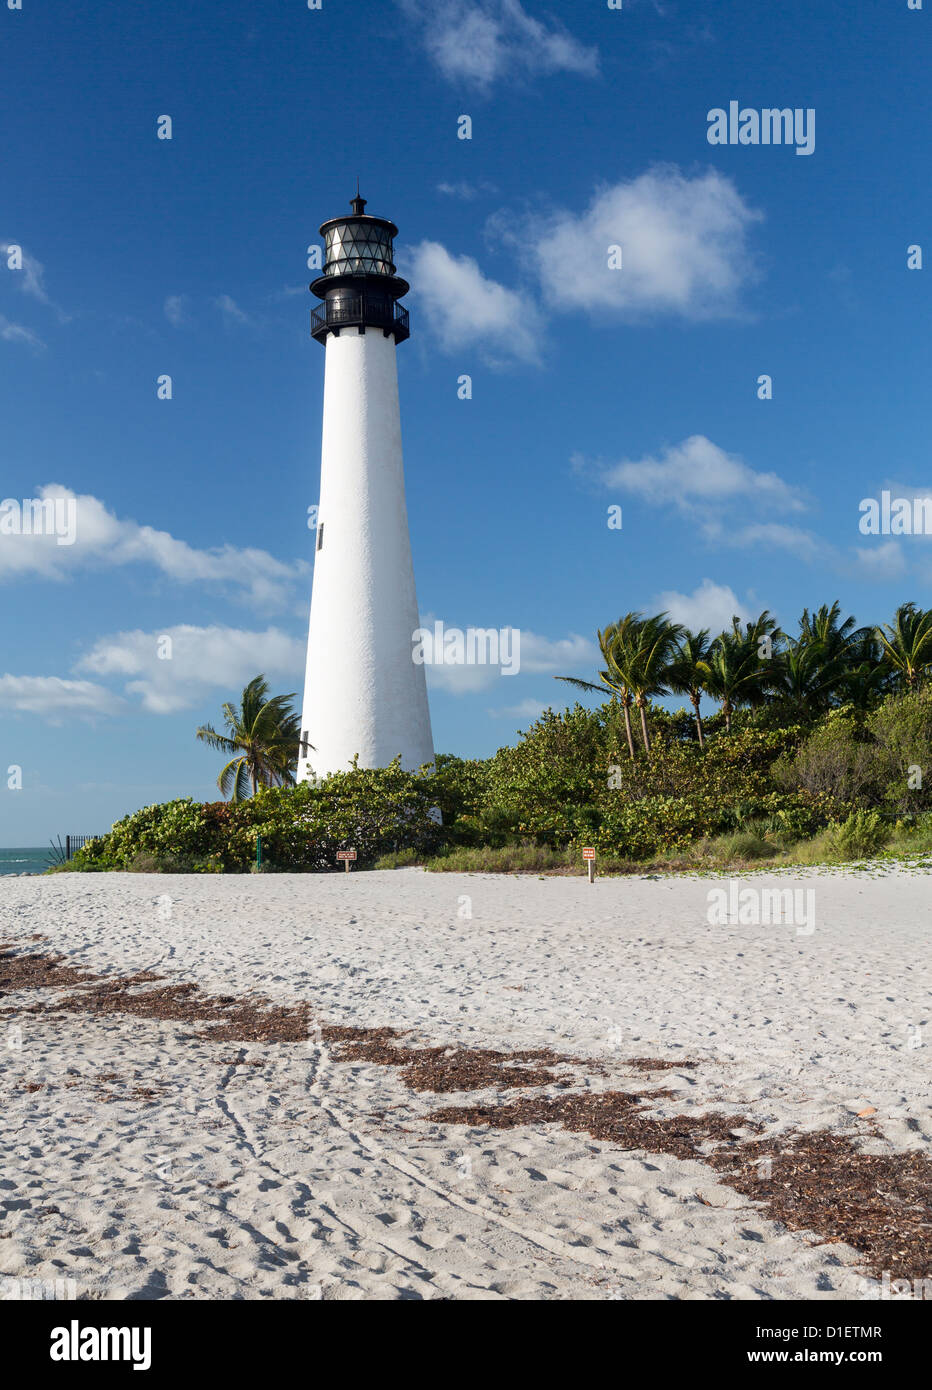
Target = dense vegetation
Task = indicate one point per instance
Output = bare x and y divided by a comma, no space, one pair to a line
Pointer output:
826,734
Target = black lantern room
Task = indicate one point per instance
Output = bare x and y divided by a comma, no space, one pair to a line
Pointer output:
359,287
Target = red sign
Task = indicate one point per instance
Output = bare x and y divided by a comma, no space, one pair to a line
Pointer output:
588,854
346,854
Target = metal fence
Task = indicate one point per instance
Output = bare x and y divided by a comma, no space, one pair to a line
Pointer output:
75,842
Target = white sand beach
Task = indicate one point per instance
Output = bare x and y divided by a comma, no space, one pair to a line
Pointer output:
141,1161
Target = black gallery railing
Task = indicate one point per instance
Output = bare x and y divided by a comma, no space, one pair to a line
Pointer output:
349,310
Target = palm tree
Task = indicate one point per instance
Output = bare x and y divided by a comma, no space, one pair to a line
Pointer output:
868,675
736,673
612,676
805,679
907,642
685,674
262,738
814,665
824,626
643,655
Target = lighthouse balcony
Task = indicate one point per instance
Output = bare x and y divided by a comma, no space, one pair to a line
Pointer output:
360,311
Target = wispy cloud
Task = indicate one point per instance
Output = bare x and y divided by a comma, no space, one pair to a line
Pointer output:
176,310
29,278
548,656
16,333
55,699
727,501
102,540
465,190
200,660
538,656
231,312
772,535
524,709
885,561
490,40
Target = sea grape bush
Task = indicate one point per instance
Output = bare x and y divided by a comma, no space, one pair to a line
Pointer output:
570,781
374,811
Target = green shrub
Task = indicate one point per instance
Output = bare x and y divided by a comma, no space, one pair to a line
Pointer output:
858,837
568,782
399,859
902,732
836,760
374,811
526,858
745,845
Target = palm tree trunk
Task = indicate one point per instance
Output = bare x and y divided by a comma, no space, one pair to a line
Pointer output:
627,710
695,704
726,710
646,736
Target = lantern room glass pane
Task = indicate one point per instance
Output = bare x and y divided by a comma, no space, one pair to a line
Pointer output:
355,248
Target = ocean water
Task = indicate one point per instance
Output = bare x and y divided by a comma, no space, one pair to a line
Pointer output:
24,861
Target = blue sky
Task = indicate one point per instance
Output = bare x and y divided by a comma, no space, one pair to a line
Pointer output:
591,387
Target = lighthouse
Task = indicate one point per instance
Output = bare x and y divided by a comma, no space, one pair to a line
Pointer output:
363,692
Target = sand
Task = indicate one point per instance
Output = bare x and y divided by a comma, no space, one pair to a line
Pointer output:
140,1161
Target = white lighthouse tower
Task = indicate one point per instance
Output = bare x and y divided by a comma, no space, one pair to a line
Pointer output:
363,692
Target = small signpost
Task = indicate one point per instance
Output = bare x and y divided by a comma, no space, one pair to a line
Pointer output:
347,855
589,855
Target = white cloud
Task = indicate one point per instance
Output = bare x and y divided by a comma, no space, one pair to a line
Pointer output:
525,709
466,309
203,660
710,605
55,698
683,247
176,310
919,501
540,655
726,499
289,292
232,313
796,539
535,655
884,561
102,540
465,190
462,679
488,40
30,278
15,333
697,474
